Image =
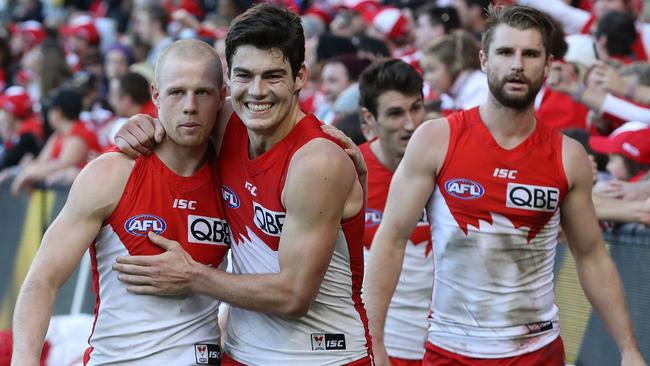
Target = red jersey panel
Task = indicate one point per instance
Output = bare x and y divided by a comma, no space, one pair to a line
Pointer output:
334,329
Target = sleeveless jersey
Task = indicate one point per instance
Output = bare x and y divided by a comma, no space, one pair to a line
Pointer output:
334,330
137,329
405,331
495,220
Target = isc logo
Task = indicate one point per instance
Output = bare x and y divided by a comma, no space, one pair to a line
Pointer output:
532,198
326,342
207,230
229,196
140,225
270,222
207,354
373,217
464,189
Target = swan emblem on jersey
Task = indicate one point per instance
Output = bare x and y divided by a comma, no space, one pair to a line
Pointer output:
464,189
140,225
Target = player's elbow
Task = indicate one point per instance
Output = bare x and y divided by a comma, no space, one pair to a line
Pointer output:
296,307
297,303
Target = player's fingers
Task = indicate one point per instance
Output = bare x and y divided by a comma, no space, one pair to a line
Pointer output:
138,260
143,289
130,279
131,146
159,132
133,269
163,242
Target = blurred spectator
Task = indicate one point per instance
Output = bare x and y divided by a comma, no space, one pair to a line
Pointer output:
615,37
151,27
578,21
81,38
44,68
472,15
350,124
433,22
393,27
129,95
20,130
339,84
594,94
28,10
453,70
370,48
556,109
71,146
628,148
629,159
117,59
353,17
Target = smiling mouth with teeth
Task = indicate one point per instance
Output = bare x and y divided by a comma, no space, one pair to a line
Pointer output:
258,107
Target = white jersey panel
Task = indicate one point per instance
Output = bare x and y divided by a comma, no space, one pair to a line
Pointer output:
255,338
493,294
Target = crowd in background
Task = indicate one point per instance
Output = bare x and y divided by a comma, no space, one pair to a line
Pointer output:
71,72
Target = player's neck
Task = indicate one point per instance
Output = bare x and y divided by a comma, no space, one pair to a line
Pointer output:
181,160
388,160
508,126
261,141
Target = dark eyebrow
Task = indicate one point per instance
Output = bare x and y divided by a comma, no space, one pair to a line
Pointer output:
241,69
274,71
391,110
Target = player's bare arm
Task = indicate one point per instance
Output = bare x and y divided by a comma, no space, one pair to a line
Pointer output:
92,198
596,270
411,187
321,189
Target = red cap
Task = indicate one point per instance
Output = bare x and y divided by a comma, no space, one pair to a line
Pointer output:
32,30
191,6
85,30
391,22
632,140
16,101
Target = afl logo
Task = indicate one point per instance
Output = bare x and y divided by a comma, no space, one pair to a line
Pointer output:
229,196
140,225
464,189
373,217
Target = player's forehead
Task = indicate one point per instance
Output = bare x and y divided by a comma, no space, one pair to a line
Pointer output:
183,71
259,60
505,36
393,99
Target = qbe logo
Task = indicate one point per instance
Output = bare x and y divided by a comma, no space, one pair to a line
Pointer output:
373,217
140,225
532,198
464,189
270,222
229,196
327,342
207,354
207,230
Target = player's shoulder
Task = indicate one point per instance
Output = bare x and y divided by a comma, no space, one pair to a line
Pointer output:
104,178
432,134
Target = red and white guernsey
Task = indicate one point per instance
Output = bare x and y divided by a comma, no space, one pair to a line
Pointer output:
405,331
135,329
495,217
333,332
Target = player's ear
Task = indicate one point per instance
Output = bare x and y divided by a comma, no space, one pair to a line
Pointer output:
155,95
483,59
301,78
368,118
